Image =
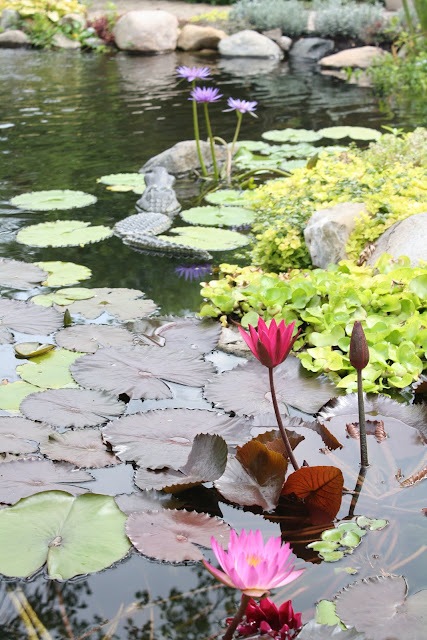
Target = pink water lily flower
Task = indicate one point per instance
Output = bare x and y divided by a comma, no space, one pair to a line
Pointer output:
271,345
251,566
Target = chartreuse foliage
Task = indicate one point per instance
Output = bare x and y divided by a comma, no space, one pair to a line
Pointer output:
391,305
391,192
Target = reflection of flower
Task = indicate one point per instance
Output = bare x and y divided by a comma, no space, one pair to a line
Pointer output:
279,623
192,271
251,566
243,106
205,94
271,345
193,73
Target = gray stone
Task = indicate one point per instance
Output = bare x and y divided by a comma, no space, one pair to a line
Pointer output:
249,44
405,238
13,38
182,158
311,48
146,31
61,41
232,342
194,37
357,58
328,230
9,19
284,42
73,19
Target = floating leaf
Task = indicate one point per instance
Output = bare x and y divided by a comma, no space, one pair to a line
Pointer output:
146,501
190,334
51,370
139,372
314,631
16,432
124,304
130,181
20,275
64,273
5,336
325,613
371,524
206,238
63,297
88,338
292,135
12,394
164,437
28,318
254,477
227,197
378,606
22,478
62,233
74,535
72,407
53,200
82,448
414,478
320,487
32,349
246,389
227,216
355,133
172,535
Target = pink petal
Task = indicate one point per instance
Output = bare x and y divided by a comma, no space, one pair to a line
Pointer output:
293,575
249,340
219,575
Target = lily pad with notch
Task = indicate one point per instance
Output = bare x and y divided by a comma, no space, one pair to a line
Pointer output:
191,334
20,275
218,216
61,274
28,318
52,200
206,238
84,448
19,435
62,233
88,338
124,304
62,297
51,370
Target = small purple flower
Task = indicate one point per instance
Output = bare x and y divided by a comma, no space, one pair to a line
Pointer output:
193,271
205,94
193,73
244,106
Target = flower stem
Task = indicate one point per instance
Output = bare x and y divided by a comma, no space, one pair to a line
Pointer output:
236,133
197,135
362,424
239,615
283,433
208,126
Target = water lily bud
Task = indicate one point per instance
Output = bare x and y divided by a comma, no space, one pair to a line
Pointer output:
359,352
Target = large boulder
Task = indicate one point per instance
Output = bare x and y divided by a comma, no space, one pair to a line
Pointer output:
60,41
146,31
182,158
328,230
311,48
249,44
284,42
194,38
357,58
9,19
405,238
12,38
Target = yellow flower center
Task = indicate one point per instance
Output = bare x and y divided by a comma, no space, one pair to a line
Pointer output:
253,560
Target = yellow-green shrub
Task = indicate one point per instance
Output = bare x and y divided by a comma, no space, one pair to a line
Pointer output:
52,9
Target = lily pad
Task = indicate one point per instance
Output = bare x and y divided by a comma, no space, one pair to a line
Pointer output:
124,304
82,448
5,336
64,273
218,216
190,334
72,407
379,607
314,631
62,233
355,133
28,318
206,238
12,394
32,349
63,297
88,338
127,181
51,370
146,501
227,197
292,135
20,275
19,435
53,200
22,478
73,535
171,535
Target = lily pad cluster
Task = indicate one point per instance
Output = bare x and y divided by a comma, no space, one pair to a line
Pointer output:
342,540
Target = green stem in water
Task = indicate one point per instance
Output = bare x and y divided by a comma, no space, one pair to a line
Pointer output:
237,618
208,126
236,133
362,423
282,429
197,135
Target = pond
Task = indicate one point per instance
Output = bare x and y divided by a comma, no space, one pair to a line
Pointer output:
68,119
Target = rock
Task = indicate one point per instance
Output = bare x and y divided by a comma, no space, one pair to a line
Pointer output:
359,57
146,31
328,230
249,44
74,19
284,42
13,38
231,341
61,41
273,34
361,78
9,19
311,48
182,158
93,42
404,238
194,38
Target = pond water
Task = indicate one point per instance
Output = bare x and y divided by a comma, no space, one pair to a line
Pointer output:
68,119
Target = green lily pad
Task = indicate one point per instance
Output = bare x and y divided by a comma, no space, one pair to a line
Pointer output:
32,349
64,273
129,181
323,546
228,216
63,297
62,233
226,197
75,535
13,393
206,238
51,370
332,556
350,539
325,613
351,526
54,199
333,535
292,135
355,133
291,165
371,524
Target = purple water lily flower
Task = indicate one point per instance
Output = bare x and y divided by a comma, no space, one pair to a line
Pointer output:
244,106
193,271
193,73
205,94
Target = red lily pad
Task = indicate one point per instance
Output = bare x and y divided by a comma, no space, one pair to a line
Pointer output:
88,338
82,448
320,487
172,535
20,275
19,435
197,336
29,318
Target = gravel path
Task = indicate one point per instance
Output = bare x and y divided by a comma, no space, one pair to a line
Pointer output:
183,10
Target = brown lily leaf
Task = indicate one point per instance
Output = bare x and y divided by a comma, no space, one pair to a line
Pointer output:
124,304
29,318
320,487
414,478
274,442
254,476
84,448
151,500
88,338
20,275
191,334
373,428
19,435
171,535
